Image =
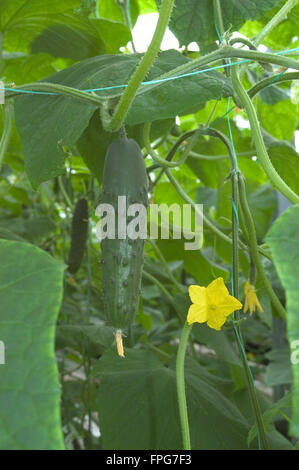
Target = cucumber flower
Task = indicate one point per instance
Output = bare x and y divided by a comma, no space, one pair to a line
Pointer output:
251,300
211,304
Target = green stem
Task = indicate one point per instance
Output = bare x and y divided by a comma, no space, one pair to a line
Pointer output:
165,264
252,392
64,193
127,97
278,18
274,79
125,6
1,53
180,379
218,17
223,53
7,129
164,162
207,124
254,248
235,238
235,293
284,416
259,142
158,350
195,207
160,286
199,156
244,41
57,89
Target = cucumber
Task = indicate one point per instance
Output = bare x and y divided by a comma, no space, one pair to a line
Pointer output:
78,235
122,259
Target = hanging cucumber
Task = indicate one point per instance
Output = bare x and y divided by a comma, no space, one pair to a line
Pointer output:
122,259
78,236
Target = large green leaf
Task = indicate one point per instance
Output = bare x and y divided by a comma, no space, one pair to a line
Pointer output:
28,67
262,204
218,341
193,20
31,291
22,20
279,371
283,241
99,338
283,35
280,119
286,161
65,119
77,37
147,6
138,395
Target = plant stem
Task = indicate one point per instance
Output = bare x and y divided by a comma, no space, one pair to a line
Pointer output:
164,162
7,129
274,79
64,193
278,18
235,293
165,264
125,6
262,153
254,248
180,379
127,97
252,392
158,350
223,53
1,53
235,239
57,89
199,156
218,17
160,286
207,221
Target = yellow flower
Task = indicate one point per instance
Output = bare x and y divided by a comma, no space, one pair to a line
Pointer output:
251,300
211,304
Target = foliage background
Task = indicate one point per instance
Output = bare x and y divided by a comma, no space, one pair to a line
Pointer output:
55,156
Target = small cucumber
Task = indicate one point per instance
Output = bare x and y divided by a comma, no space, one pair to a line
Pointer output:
78,236
122,259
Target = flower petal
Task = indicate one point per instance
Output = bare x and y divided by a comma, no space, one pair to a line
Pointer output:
229,305
258,305
197,313
197,294
216,291
216,322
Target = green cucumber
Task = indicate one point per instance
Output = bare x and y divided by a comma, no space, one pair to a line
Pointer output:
122,259
78,235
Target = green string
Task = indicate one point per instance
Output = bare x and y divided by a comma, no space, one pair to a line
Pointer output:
231,138
217,31
156,81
